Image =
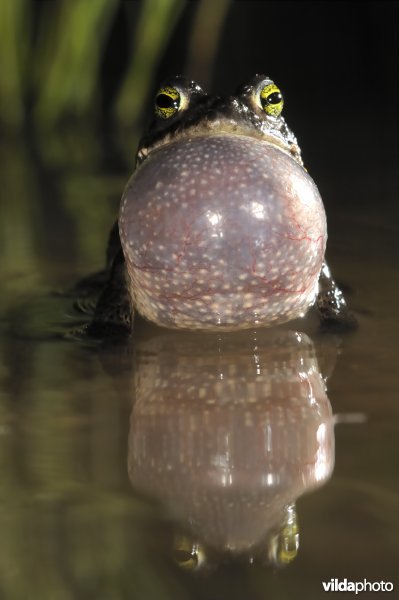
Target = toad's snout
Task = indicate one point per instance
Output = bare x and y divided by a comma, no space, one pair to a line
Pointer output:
222,232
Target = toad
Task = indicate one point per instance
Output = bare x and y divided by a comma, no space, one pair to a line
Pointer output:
220,227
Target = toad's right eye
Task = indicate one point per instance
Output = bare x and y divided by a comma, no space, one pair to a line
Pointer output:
271,100
168,102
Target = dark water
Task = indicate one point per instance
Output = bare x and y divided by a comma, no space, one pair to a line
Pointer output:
163,469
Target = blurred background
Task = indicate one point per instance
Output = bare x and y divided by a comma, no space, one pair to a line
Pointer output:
77,79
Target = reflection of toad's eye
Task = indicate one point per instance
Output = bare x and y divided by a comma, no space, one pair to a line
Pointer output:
167,102
187,554
271,100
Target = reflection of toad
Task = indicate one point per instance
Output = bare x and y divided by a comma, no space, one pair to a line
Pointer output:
220,227
227,432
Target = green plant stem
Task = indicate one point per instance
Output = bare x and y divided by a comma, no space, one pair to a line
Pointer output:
156,23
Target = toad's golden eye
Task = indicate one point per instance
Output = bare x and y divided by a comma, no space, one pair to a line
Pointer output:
188,554
271,100
167,102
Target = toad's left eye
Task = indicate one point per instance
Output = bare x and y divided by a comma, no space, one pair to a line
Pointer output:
271,100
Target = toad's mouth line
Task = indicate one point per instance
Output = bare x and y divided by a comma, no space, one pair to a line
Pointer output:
220,131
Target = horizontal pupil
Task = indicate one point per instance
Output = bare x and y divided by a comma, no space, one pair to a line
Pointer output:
165,101
274,98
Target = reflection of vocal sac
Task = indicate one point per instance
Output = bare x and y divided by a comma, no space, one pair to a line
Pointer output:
227,432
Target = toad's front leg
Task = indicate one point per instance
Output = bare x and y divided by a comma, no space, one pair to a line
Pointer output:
114,313
331,304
